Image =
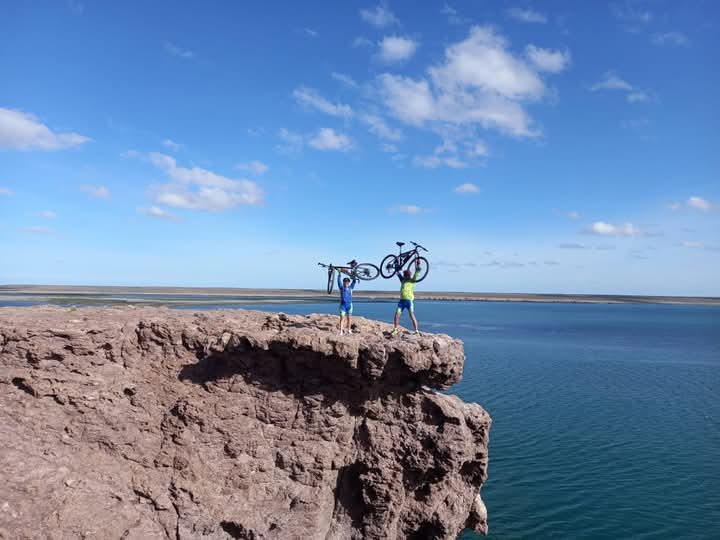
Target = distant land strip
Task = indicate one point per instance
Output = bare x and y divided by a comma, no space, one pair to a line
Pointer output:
214,295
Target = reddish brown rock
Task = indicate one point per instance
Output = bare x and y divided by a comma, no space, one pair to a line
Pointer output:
143,423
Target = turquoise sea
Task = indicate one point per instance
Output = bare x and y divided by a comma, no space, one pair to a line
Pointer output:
606,418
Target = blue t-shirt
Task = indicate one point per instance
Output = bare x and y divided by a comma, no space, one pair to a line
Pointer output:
345,292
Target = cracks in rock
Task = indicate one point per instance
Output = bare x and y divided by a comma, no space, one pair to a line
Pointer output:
21,384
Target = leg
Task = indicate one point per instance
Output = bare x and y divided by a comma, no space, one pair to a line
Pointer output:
411,311
349,320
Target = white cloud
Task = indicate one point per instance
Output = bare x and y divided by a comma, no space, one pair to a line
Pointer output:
47,214
699,203
292,142
5,192
99,192
380,16
547,59
380,128
602,228
692,244
172,145
480,83
694,203
389,148
396,48
670,38
200,189
328,139
571,245
478,149
255,167
637,97
37,230
409,209
467,187
347,80
611,81
362,42
174,50
24,131
572,214
526,15
434,161
310,98
310,32
157,212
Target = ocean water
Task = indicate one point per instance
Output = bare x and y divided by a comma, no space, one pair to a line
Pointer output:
606,418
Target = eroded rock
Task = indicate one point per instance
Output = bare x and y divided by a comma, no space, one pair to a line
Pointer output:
142,423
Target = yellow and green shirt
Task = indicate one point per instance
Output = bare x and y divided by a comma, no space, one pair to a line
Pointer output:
407,287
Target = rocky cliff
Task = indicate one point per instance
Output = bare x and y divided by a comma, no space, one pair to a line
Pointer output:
144,423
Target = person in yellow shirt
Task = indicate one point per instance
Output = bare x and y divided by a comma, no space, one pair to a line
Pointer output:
407,296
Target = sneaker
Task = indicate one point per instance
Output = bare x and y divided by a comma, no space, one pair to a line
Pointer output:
395,332
350,331
342,332
417,332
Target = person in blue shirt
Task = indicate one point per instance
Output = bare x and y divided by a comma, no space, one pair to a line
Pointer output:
346,307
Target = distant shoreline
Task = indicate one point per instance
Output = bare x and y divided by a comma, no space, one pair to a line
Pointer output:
214,295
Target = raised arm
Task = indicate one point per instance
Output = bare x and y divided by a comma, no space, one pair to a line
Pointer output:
340,276
354,282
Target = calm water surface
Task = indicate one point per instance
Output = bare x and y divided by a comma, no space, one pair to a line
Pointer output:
606,418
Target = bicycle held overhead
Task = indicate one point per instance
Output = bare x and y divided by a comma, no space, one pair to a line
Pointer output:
392,264
353,269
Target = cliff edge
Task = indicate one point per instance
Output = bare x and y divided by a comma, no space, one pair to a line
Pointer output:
145,423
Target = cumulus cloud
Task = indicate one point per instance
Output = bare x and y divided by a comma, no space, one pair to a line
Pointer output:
292,143
99,192
434,161
379,127
24,131
172,145
670,38
695,203
547,59
179,52
347,80
396,48
526,15
196,188
255,167
572,214
47,214
409,209
310,98
602,228
362,42
466,188
480,83
328,139
380,16
157,212
612,81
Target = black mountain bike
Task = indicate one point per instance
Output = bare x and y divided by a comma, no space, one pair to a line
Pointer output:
363,271
391,264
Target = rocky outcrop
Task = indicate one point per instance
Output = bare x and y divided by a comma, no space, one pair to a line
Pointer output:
144,423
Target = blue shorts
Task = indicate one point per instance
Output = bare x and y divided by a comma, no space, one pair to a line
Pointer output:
405,304
345,309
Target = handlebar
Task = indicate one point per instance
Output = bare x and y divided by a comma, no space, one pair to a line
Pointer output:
418,246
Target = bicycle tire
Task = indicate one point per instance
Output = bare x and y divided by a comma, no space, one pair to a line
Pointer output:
424,264
388,266
331,279
366,271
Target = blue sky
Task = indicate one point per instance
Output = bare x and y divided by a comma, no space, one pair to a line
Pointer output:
549,146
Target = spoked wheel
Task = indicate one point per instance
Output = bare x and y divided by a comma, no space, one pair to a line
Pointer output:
367,271
424,268
331,279
388,266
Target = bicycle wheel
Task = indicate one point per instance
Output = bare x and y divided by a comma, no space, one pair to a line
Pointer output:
366,271
388,266
424,268
331,279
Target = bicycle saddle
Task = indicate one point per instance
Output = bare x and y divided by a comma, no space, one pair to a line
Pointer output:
401,244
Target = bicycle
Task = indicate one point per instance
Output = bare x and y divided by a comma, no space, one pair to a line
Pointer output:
392,264
360,271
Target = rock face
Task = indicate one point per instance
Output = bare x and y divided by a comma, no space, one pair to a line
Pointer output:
144,423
